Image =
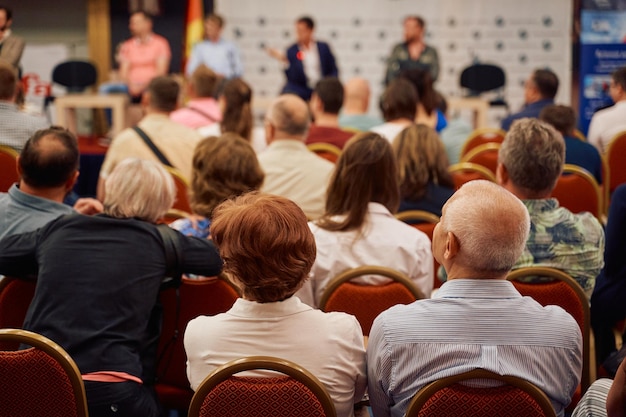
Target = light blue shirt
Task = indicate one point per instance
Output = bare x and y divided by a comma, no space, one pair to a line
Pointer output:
469,324
222,57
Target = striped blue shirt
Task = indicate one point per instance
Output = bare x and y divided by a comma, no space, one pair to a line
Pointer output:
471,324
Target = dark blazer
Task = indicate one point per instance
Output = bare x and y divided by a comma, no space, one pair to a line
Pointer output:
296,78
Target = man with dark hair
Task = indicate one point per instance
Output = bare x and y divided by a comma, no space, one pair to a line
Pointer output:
539,92
577,152
399,106
11,46
48,166
175,142
306,61
15,126
325,104
413,52
607,123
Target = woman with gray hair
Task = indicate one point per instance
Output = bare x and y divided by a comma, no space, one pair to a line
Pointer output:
98,281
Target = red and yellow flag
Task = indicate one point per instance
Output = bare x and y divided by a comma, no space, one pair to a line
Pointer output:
194,26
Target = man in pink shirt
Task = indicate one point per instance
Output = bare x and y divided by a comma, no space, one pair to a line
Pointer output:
202,109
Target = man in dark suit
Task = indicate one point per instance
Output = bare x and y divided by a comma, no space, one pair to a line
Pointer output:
306,62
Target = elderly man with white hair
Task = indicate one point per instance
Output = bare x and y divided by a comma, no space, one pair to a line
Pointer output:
477,319
98,281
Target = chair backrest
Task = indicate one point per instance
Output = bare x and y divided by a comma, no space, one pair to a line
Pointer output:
299,393
564,291
616,158
15,298
173,215
325,150
366,302
481,78
182,190
8,168
40,381
448,397
578,191
485,155
482,136
75,75
468,171
194,297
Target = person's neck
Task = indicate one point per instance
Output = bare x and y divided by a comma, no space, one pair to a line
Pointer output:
214,39
153,111
143,38
353,108
307,45
524,194
55,194
327,120
457,271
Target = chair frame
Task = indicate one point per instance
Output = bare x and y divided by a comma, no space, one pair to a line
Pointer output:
582,172
556,274
283,366
7,150
349,274
417,215
424,394
472,166
57,353
479,132
492,146
328,148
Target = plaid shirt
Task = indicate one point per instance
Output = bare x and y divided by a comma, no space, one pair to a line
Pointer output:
17,127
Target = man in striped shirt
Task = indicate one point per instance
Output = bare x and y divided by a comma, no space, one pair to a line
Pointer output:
477,319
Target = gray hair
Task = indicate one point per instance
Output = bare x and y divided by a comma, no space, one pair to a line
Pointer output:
490,224
533,153
139,188
290,114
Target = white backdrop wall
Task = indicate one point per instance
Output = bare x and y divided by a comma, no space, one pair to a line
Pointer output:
517,35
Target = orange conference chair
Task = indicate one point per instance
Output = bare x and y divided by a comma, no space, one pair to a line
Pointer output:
182,190
616,158
325,150
366,302
8,168
173,215
467,171
15,298
482,136
485,155
40,381
578,191
297,393
449,397
195,297
562,290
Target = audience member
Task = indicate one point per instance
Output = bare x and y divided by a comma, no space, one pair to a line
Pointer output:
48,168
477,319
425,183
413,52
269,266
217,53
15,126
202,109
143,57
359,228
223,167
530,162
11,46
399,106
604,398
539,92
291,170
577,152
356,101
325,105
428,112
306,62
607,123
98,285
172,140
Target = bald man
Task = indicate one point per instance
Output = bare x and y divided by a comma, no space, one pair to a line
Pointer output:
477,319
291,170
355,104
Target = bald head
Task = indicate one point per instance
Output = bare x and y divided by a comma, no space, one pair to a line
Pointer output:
356,95
289,118
491,227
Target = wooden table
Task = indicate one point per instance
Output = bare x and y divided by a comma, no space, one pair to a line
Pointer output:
479,106
66,106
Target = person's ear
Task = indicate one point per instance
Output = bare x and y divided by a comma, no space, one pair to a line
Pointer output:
502,175
18,167
452,246
69,184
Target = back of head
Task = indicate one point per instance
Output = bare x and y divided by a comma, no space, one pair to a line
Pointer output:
266,245
422,159
562,118
330,92
491,225
290,116
237,116
8,82
423,83
49,158
547,83
365,172
399,100
223,167
139,189
163,93
357,93
619,77
533,154
203,81
307,21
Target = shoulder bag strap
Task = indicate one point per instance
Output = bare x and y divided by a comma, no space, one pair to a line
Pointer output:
202,113
152,146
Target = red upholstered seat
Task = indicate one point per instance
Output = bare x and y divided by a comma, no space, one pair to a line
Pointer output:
15,298
485,155
482,136
578,191
468,171
8,168
616,158
182,190
325,150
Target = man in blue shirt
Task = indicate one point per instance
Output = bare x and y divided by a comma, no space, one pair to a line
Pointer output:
215,52
539,92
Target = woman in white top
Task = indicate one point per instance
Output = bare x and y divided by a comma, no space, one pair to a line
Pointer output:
359,227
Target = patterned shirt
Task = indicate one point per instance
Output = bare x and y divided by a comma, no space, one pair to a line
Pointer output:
573,243
16,127
400,60
200,228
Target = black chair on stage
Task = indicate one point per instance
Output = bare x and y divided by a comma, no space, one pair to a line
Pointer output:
74,75
483,78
